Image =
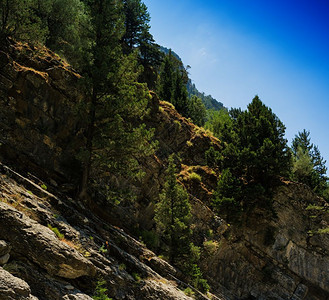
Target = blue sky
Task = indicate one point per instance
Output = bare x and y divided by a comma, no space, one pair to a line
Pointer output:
238,48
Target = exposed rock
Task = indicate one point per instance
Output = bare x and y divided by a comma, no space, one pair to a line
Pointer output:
40,244
13,288
4,248
155,290
4,259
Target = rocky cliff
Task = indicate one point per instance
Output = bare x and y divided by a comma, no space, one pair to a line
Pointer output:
55,247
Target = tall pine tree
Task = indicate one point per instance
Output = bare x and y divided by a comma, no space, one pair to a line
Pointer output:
173,216
309,167
115,135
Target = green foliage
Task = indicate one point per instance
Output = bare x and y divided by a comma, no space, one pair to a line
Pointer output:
116,136
209,102
213,158
255,154
189,292
228,192
221,125
101,291
308,164
197,111
172,83
172,215
102,249
19,19
43,186
323,231
137,277
137,36
210,246
56,231
69,27
150,238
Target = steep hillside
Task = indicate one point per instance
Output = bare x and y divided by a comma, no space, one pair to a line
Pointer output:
53,246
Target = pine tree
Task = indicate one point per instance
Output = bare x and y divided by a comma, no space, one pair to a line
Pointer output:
264,153
115,135
172,83
166,82
69,28
197,111
180,95
172,215
18,19
309,166
136,23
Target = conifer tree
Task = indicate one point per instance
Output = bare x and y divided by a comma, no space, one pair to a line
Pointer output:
136,23
309,167
18,19
115,137
172,215
172,83
197,111
166,82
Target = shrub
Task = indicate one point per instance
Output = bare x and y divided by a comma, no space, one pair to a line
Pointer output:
210,246
150,238
101,291
189,292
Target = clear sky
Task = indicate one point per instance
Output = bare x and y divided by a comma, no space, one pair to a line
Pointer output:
239,48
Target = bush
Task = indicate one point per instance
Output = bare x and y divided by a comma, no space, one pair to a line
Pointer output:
189,292
210,246
101,291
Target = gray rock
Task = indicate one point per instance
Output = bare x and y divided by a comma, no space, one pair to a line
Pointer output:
77,296
4,259
12,288
4,248
40,245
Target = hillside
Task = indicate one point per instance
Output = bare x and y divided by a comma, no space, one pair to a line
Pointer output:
208,100
55,245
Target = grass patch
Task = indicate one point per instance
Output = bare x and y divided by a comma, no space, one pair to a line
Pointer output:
189,292
194,177
314,207
323,230
56,231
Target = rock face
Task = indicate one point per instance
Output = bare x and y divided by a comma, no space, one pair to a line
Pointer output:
38,127
54,267
277,256
40,245
13,288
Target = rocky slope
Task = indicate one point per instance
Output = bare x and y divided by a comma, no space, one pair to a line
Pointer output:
54,247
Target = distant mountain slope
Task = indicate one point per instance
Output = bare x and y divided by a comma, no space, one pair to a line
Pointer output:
208,100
